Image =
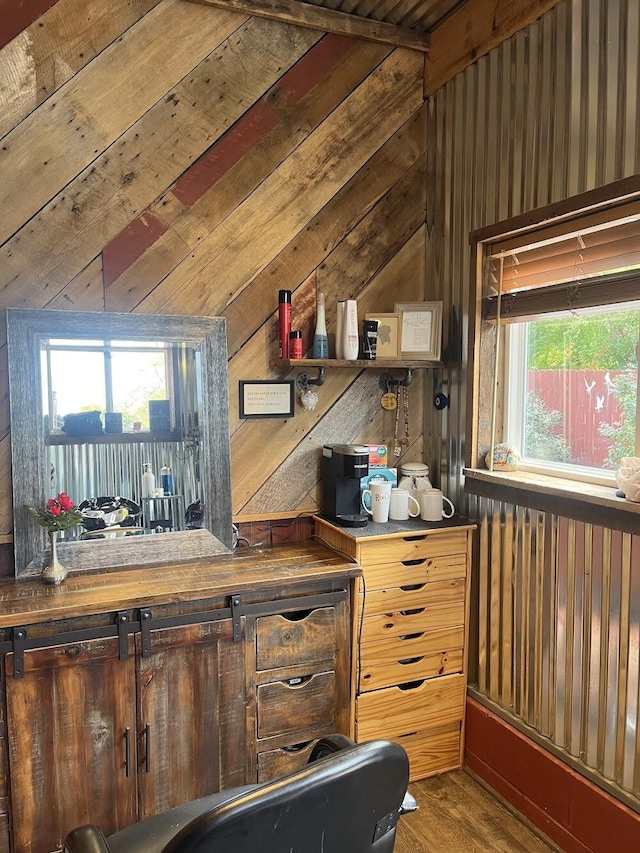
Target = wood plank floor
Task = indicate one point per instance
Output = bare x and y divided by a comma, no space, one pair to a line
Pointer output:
458,815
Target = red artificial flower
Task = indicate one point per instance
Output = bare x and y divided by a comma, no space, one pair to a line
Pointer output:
65,502
53,507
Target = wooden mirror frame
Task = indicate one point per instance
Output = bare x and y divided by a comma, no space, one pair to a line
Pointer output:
25,330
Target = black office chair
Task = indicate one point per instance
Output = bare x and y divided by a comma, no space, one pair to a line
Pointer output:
346,800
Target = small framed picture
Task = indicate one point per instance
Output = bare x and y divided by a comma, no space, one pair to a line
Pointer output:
266,398
388,345
420,329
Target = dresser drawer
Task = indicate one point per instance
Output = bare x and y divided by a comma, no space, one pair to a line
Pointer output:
296,639
296,705
390,648
395,549
280,762
396,711
407,624
421,570
414,668
433,751
416,596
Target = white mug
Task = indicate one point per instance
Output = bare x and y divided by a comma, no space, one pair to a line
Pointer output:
432,503
380,496
399,505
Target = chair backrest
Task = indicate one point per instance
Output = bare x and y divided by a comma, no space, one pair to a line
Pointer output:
347,802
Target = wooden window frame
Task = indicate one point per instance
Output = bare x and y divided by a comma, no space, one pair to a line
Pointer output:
577,500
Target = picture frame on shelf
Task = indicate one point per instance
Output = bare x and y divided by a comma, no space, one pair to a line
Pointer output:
388,344
420,330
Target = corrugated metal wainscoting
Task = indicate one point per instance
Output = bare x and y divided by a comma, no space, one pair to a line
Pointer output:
550,113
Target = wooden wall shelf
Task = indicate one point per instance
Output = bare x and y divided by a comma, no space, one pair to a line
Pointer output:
303,379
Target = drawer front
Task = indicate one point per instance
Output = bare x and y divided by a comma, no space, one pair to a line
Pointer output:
289,707
418,571
4,833
434,751
413,597
410,669
407,624
390,648
296,639
393,549
280,762
394,711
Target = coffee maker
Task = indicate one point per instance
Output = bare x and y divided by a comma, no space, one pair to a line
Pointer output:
343,466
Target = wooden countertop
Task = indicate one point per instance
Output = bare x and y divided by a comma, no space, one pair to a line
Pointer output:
24,602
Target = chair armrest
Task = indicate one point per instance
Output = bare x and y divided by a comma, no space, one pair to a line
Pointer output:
328,745
86,839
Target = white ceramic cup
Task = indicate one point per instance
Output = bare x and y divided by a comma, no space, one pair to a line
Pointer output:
432,505
380,497
399,505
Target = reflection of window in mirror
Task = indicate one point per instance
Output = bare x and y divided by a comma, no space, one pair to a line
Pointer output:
119,377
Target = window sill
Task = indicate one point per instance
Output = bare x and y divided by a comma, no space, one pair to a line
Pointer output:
572,499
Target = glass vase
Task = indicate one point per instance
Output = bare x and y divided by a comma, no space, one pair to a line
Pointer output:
54,572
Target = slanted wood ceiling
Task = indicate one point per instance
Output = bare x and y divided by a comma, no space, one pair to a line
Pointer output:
451,33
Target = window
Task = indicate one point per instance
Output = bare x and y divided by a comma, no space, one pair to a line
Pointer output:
559,334
107,376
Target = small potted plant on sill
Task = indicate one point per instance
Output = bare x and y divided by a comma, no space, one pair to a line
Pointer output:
59,513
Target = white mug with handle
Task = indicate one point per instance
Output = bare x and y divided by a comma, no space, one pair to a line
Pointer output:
400,505
432,505
380,496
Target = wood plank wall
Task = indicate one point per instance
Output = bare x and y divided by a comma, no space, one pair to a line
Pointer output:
161,156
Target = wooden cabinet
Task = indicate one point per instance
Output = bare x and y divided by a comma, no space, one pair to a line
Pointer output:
116,716
67,721
302,672
412,633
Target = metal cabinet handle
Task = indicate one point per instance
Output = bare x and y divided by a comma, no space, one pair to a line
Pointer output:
147,747
127,751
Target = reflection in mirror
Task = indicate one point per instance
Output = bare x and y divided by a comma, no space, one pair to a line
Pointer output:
128,417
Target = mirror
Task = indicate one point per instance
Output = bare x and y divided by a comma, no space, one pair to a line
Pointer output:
97,398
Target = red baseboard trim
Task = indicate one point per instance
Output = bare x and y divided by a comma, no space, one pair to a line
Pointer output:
573,812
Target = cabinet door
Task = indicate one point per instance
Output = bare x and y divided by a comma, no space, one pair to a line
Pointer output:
68,721
192,732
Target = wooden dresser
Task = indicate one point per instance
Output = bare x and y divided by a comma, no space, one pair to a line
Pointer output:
411,635
130,692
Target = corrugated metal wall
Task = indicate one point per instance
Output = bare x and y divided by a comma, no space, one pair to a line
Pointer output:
551,113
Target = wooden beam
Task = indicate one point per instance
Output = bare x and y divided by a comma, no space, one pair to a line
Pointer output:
472,31
328,20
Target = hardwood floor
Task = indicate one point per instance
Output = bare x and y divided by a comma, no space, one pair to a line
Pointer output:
457,815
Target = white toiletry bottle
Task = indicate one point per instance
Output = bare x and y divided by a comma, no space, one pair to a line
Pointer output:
148,481
350,339
320,342
339,329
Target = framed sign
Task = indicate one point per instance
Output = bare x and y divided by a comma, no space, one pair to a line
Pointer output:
266,398
420,329
388,345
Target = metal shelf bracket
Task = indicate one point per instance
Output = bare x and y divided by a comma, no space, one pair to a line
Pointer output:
386,381
303,380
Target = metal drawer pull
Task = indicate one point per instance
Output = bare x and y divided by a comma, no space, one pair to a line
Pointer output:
411,636
406,661
127,751
298,681
147,748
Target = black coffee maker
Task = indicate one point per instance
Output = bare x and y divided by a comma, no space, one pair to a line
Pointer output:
343,465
